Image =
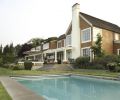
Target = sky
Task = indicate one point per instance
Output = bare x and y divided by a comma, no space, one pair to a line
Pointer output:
21,20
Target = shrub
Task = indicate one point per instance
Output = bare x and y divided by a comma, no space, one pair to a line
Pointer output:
81,62
15,67
112,66
105,60
28,65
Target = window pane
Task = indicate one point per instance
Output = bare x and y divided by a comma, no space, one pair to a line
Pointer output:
86,35
86,52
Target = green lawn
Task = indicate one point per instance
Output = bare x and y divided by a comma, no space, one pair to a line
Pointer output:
3,94
8,72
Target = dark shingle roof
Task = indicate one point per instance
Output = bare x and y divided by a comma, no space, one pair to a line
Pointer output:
50,39
101,23
61,37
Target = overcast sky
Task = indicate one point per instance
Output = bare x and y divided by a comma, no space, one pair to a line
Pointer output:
21,20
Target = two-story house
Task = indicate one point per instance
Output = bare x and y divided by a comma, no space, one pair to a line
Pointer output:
79,37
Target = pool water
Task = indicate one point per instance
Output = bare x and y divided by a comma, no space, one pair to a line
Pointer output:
73,88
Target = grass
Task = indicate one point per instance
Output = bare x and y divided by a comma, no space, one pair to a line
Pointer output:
3,94
8,72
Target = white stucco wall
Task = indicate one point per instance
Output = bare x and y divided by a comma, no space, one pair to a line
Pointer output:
46,46
95,32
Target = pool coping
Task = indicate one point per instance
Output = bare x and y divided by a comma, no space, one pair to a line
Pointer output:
17,91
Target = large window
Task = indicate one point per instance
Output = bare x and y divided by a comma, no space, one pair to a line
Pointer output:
68,40
86,35
86,51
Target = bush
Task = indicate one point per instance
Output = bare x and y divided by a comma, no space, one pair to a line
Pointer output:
82,62
105,60
28,65
16,67
112,66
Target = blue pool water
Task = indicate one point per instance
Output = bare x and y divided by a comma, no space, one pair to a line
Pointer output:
73,88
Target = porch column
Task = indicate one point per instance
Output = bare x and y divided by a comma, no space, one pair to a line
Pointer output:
34,57
42,57
65,56
55,57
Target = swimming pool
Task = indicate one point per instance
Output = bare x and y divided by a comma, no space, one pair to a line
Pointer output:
73,88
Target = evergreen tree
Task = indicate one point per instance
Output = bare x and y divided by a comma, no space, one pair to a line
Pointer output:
97,47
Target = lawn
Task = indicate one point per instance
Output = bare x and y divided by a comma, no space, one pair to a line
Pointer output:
8,72
3,94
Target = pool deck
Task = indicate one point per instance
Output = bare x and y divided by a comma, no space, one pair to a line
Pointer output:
18,91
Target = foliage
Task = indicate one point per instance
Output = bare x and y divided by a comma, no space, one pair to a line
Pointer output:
112,66
8,55
24,47
81,62
28,65
35,41
97,48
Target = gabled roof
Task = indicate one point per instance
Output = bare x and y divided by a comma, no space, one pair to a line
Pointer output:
101,23
61,37
50,39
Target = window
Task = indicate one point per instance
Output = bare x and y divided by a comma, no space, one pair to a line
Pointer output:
86,35
118,51
59,45
86,51
45,46
68,40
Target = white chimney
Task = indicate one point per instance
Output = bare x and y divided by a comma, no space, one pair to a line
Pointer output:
75,35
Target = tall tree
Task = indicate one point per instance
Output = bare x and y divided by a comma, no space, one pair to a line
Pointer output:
25,47
97,47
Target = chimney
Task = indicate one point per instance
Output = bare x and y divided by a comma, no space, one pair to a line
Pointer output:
75,35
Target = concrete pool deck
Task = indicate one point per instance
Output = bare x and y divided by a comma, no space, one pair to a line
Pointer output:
18,91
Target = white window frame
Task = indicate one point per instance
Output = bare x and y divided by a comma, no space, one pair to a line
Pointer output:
82,34
60,43
69,44
118,51
85,48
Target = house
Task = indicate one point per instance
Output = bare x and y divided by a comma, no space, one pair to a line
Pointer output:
77,40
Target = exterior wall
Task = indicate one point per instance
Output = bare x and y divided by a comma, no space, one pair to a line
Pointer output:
84,25
95,32
53,45
107,41
45,46
116,47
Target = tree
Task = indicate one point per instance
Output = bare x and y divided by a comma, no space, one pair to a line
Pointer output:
35,41
97,47
24,47
8,54
1,56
